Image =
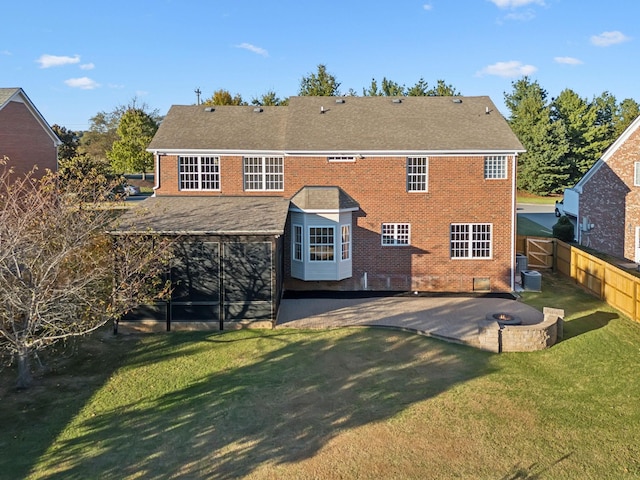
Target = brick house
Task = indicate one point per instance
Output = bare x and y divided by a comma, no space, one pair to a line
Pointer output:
25,136
607,199
333,193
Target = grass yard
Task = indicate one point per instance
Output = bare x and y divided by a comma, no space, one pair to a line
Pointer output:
338,404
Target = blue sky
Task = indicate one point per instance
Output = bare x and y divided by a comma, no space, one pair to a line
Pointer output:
74,59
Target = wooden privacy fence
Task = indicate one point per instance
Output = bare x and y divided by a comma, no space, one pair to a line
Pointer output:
619,288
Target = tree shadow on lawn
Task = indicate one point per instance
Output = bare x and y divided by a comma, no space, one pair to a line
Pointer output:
279,407
588,323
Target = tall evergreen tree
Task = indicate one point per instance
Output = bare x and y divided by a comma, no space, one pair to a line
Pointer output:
541,169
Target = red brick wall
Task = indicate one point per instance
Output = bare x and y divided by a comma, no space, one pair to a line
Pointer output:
612,203
458,193
24,141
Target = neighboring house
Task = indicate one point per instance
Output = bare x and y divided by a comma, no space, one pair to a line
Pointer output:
25,136
606,201
332,193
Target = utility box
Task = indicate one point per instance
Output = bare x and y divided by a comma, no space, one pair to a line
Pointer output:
531,280
522,263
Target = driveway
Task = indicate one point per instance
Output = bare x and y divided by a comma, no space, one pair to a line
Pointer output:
543,215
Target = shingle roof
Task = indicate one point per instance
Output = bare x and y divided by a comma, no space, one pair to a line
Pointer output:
6,94
207,215
323,198
222,128
349,124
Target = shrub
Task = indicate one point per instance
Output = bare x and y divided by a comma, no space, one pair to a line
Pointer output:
563,229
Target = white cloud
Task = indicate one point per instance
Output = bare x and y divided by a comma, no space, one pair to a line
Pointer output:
568,60
507,69
254,49
515,3
606,39
87,66
83,83
47,61
427,6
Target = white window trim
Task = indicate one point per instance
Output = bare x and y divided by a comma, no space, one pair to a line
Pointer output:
494,159
396,235
470,241
425,174
310,245
262,173
295,243
636,174
343,243
199,173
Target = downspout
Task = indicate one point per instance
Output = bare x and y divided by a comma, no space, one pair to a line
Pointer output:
156,172
514,219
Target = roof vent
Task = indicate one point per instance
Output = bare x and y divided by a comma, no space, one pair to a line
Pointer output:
322,110
397,100
457,100
209,109
257,109
339,100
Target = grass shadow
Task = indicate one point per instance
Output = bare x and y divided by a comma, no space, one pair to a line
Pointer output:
288,397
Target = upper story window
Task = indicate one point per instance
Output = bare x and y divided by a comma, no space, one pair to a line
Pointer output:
495,167
417,174
470,240
199,173
636,174
396,234
263,173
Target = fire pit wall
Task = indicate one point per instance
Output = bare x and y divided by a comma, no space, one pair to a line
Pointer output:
522,338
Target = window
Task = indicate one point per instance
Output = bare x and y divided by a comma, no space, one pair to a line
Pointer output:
263,173
297,242
396,233
636,174
495,167
341,159
471,240
417,170
199,173
346,242
321,244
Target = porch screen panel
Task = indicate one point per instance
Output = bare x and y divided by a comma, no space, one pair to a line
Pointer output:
195,282
247,288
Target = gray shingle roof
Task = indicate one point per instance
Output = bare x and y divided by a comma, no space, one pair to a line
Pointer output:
350,124
6,94
207,215
323,198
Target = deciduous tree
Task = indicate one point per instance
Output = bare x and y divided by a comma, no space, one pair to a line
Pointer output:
128,153
57,268
321,83
224,97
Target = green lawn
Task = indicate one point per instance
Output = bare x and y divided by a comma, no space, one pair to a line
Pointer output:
344,403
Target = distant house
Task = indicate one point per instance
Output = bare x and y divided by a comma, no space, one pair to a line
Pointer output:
25,136
606,201
332,193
